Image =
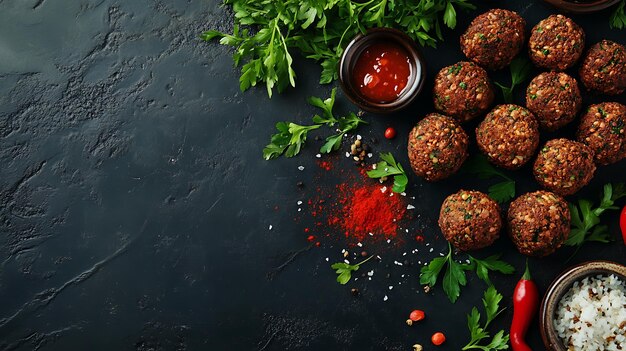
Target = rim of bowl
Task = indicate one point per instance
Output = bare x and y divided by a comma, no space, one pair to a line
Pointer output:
559,286
582,7
351,54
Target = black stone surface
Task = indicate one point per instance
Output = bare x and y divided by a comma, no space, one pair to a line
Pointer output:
135,206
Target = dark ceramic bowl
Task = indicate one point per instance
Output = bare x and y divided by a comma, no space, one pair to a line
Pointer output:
352,53
582,6
560,286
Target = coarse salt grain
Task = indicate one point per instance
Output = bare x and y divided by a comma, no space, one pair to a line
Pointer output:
370,155
358,137
301,168
318,155
390,287
370,273
270,227
347,154
403,193
385,298
299,203
410,207
383,189
359,244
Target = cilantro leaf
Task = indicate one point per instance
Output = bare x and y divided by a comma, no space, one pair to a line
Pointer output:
585,218
344,270
389,167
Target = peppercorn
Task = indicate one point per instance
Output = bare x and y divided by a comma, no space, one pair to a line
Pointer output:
300,184
417,347
363,253
354,292
409,322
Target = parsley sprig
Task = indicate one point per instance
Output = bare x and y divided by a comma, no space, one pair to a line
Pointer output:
455,277
520,71
344,270
618,17
480,166
478,332
291,136
389,167
585,218
320,30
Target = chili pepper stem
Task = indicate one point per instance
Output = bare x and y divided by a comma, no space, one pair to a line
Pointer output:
527,275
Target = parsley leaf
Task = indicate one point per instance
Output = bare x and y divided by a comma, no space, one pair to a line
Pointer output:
618,17
585,218
291,137
520,71
389,167
478,332
501,192
344,270
320,30
491,263
454,277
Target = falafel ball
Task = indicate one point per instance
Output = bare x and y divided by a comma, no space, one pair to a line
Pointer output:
437,147
554,98
462,91
602,129
509,136
556,43
494,38
604,68
564,166
538,223
470,220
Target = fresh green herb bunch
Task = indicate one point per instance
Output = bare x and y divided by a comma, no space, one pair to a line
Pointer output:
267,30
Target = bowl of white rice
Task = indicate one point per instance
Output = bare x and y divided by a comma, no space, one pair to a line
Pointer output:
584,309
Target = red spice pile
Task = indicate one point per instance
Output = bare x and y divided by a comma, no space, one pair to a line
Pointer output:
367,208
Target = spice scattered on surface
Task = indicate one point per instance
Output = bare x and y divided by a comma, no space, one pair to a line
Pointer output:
417,315
390,133
438,338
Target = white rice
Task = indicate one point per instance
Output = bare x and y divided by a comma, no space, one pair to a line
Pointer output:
592,315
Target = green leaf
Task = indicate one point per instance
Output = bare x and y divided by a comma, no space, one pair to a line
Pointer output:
326,105
429,273
491,301
333,142
344,270
453,280
503,191
491,263
449,16
618,17
521,68
399,183
211,34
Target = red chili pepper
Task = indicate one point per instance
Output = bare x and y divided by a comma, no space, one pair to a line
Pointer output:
622,223
525,303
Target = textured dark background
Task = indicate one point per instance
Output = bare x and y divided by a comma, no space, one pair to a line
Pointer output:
135,206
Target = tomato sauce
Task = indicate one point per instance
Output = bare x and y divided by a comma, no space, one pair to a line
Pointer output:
382,71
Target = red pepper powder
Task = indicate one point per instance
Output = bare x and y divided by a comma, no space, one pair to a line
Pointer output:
365,209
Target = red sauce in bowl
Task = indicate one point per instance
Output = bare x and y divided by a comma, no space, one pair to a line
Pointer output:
382,71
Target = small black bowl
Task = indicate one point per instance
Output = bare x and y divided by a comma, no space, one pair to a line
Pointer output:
582,6
352,53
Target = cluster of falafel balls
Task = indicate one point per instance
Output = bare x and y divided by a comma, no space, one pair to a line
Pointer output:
538,222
